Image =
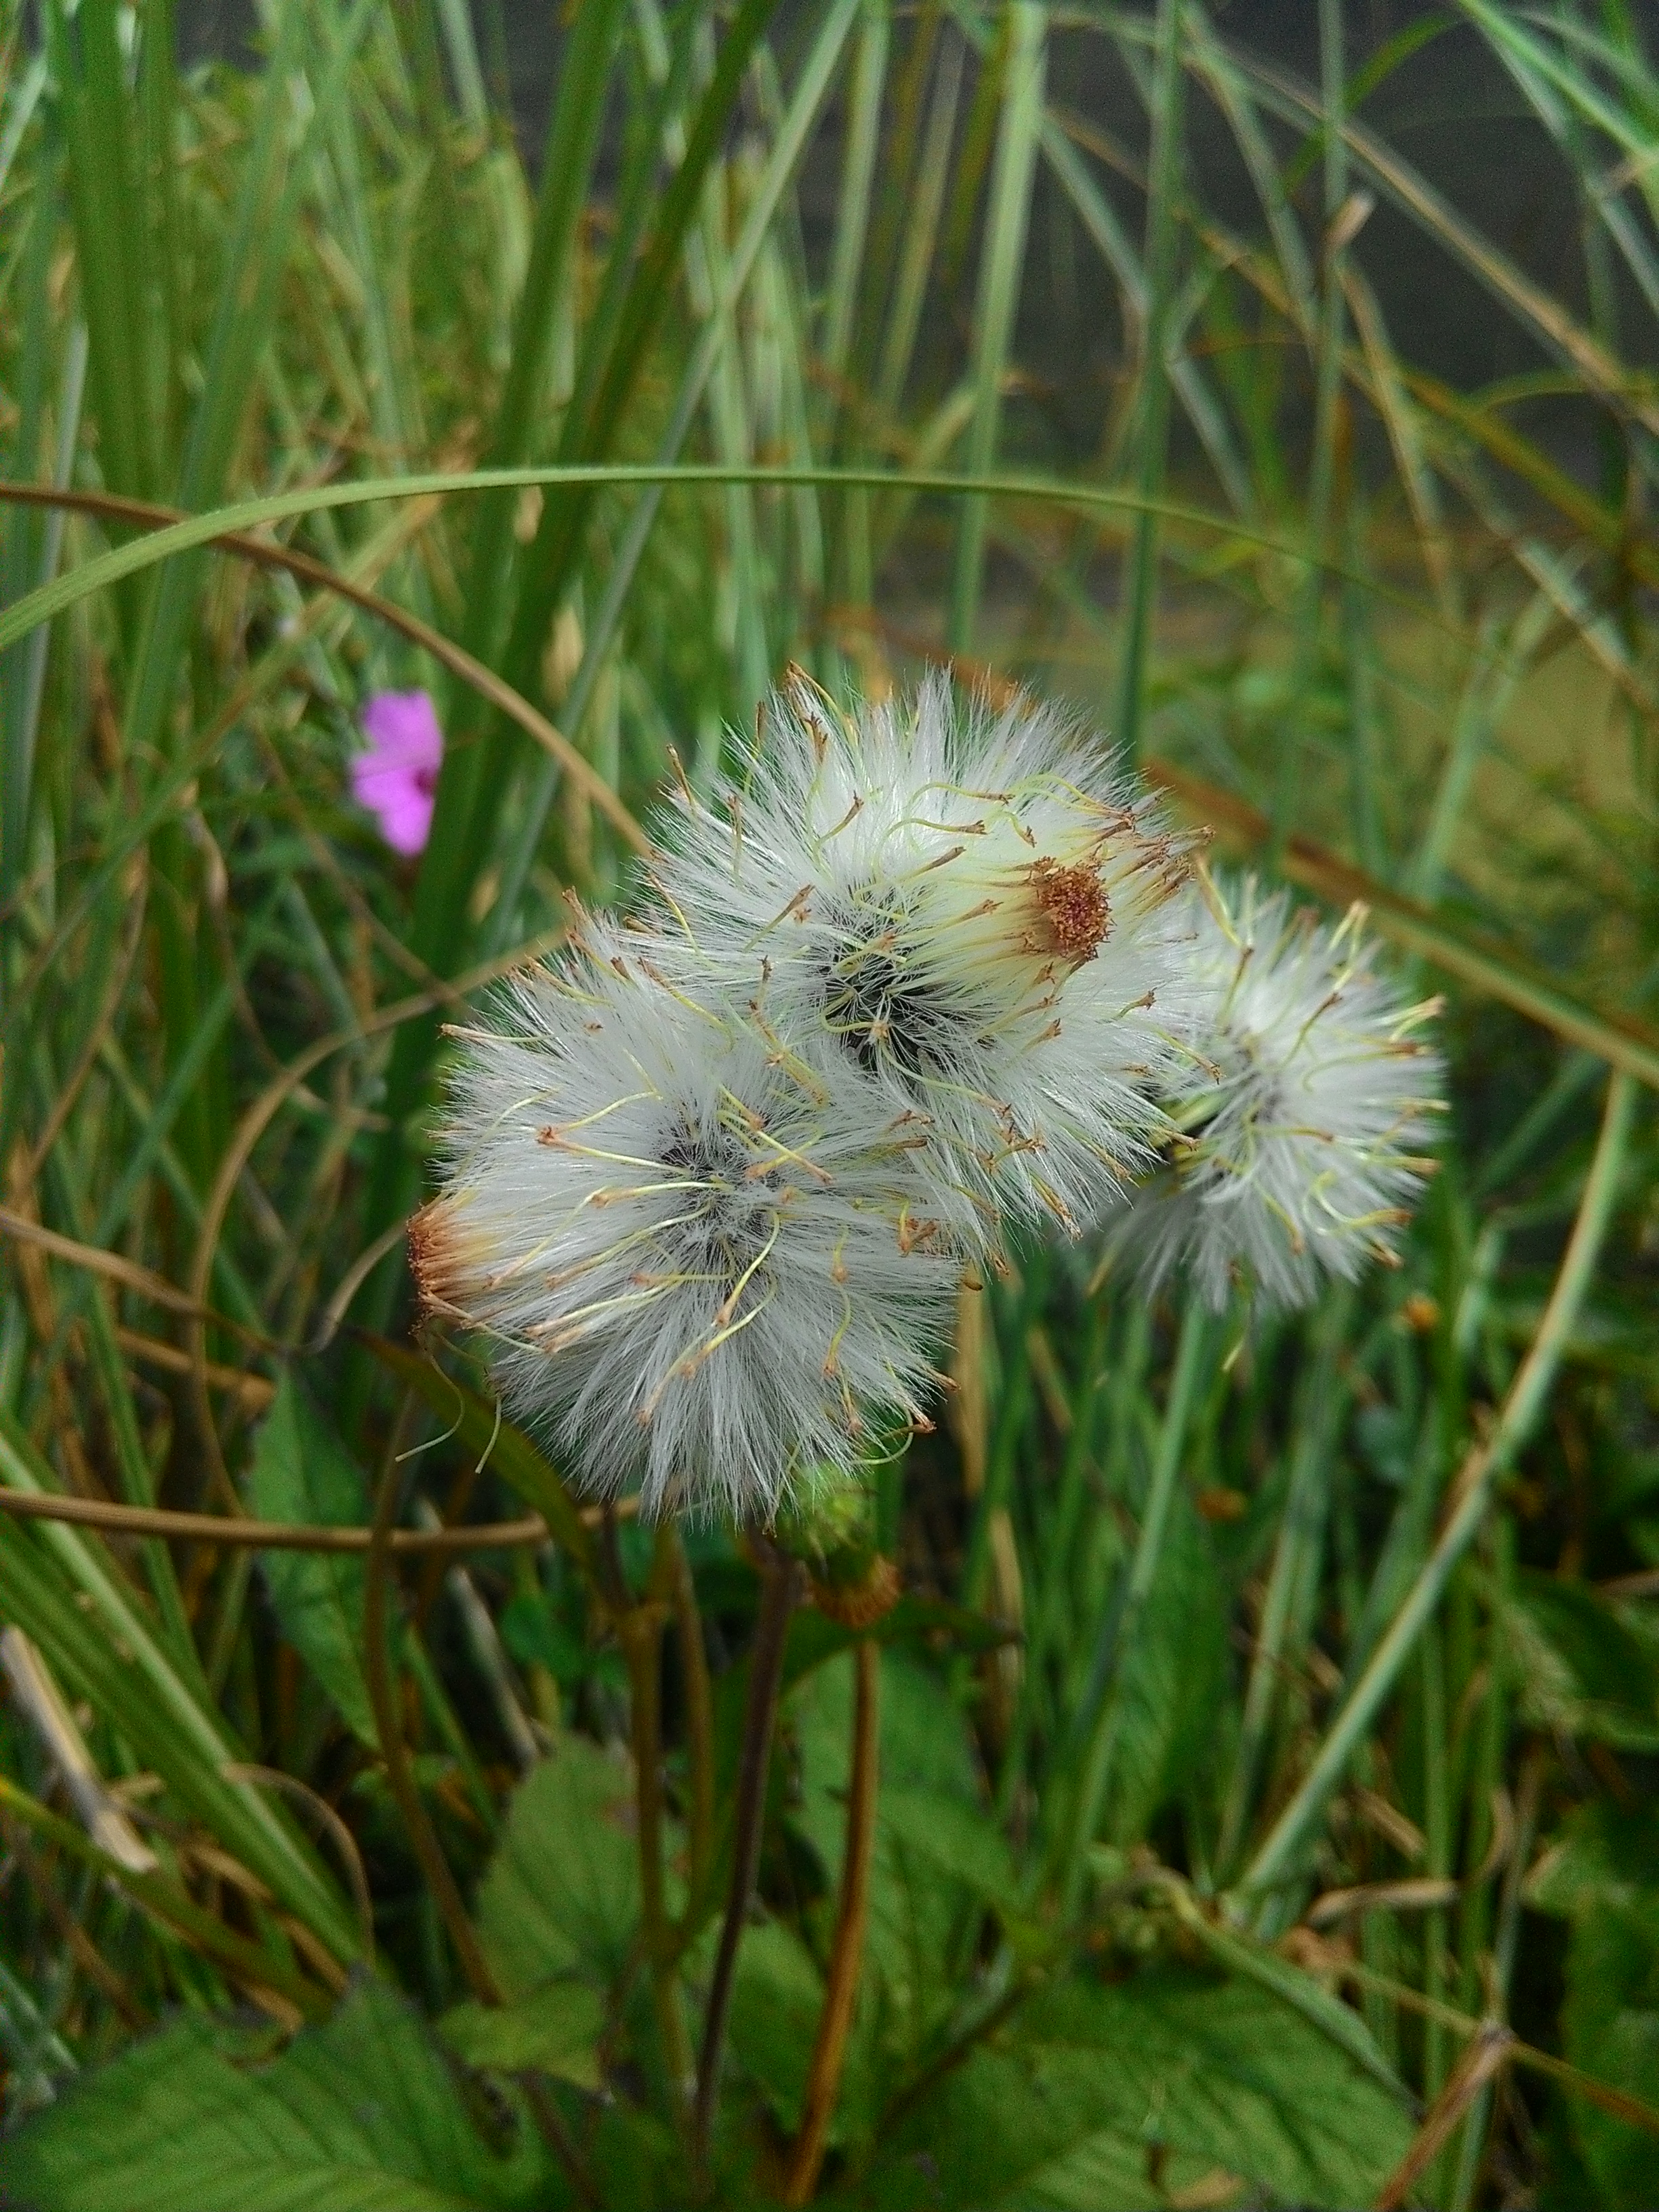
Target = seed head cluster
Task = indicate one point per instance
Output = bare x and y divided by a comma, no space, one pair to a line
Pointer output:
972,909
908,980
1296,1127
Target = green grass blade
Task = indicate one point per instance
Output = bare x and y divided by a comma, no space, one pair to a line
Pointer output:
140,1692
94,113
921,232
1279,1859
1001,267
1152,421
1094,1776
817,73
857,182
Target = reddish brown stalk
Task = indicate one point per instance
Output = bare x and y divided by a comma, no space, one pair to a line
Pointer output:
699,1722
263,1535
847,1950
781,1584
639,1631
1483,2058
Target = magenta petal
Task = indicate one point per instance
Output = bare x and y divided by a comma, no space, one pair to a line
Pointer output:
396,778
402,726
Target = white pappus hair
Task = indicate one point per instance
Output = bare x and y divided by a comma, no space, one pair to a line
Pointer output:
971,909
1299,1116
699,1268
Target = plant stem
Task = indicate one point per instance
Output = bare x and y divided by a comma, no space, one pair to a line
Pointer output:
550,2125
1143,1569
699,1722
847,1950
1472,1493
399,1773
639,1629
781,1584
1437,1825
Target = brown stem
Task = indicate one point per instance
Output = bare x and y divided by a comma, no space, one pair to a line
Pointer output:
847,1950
699,1722
399,1772
639,1628
234,1529
780,1582
550,2123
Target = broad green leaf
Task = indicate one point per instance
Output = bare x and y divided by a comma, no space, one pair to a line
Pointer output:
562,1896
1610,2024
999,2132
302,1472
637,2161
1601,1856
939,1859
555,2029
1216,2074
775,2002
1583,1671
1603,1875
362,2115
933,1838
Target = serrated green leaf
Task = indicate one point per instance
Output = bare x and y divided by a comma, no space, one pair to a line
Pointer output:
561,1897
939,1857
555,2029
940,1838
302,1472
1215,2073
362,2115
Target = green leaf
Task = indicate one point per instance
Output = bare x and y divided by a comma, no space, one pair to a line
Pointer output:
1174,1676
1583,1671
302,1472
933,1839
775,2001
562,1896
1601,1856
1603,1875
1216,2075
1610,2028
362,2115
940,1858
555,2029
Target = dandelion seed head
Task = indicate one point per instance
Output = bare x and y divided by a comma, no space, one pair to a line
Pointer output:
970,907
1307,1098
696,1265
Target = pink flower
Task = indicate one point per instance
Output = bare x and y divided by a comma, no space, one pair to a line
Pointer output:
396,778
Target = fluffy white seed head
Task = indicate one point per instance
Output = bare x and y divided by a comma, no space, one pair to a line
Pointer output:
696,1264
1301,1114
971,909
